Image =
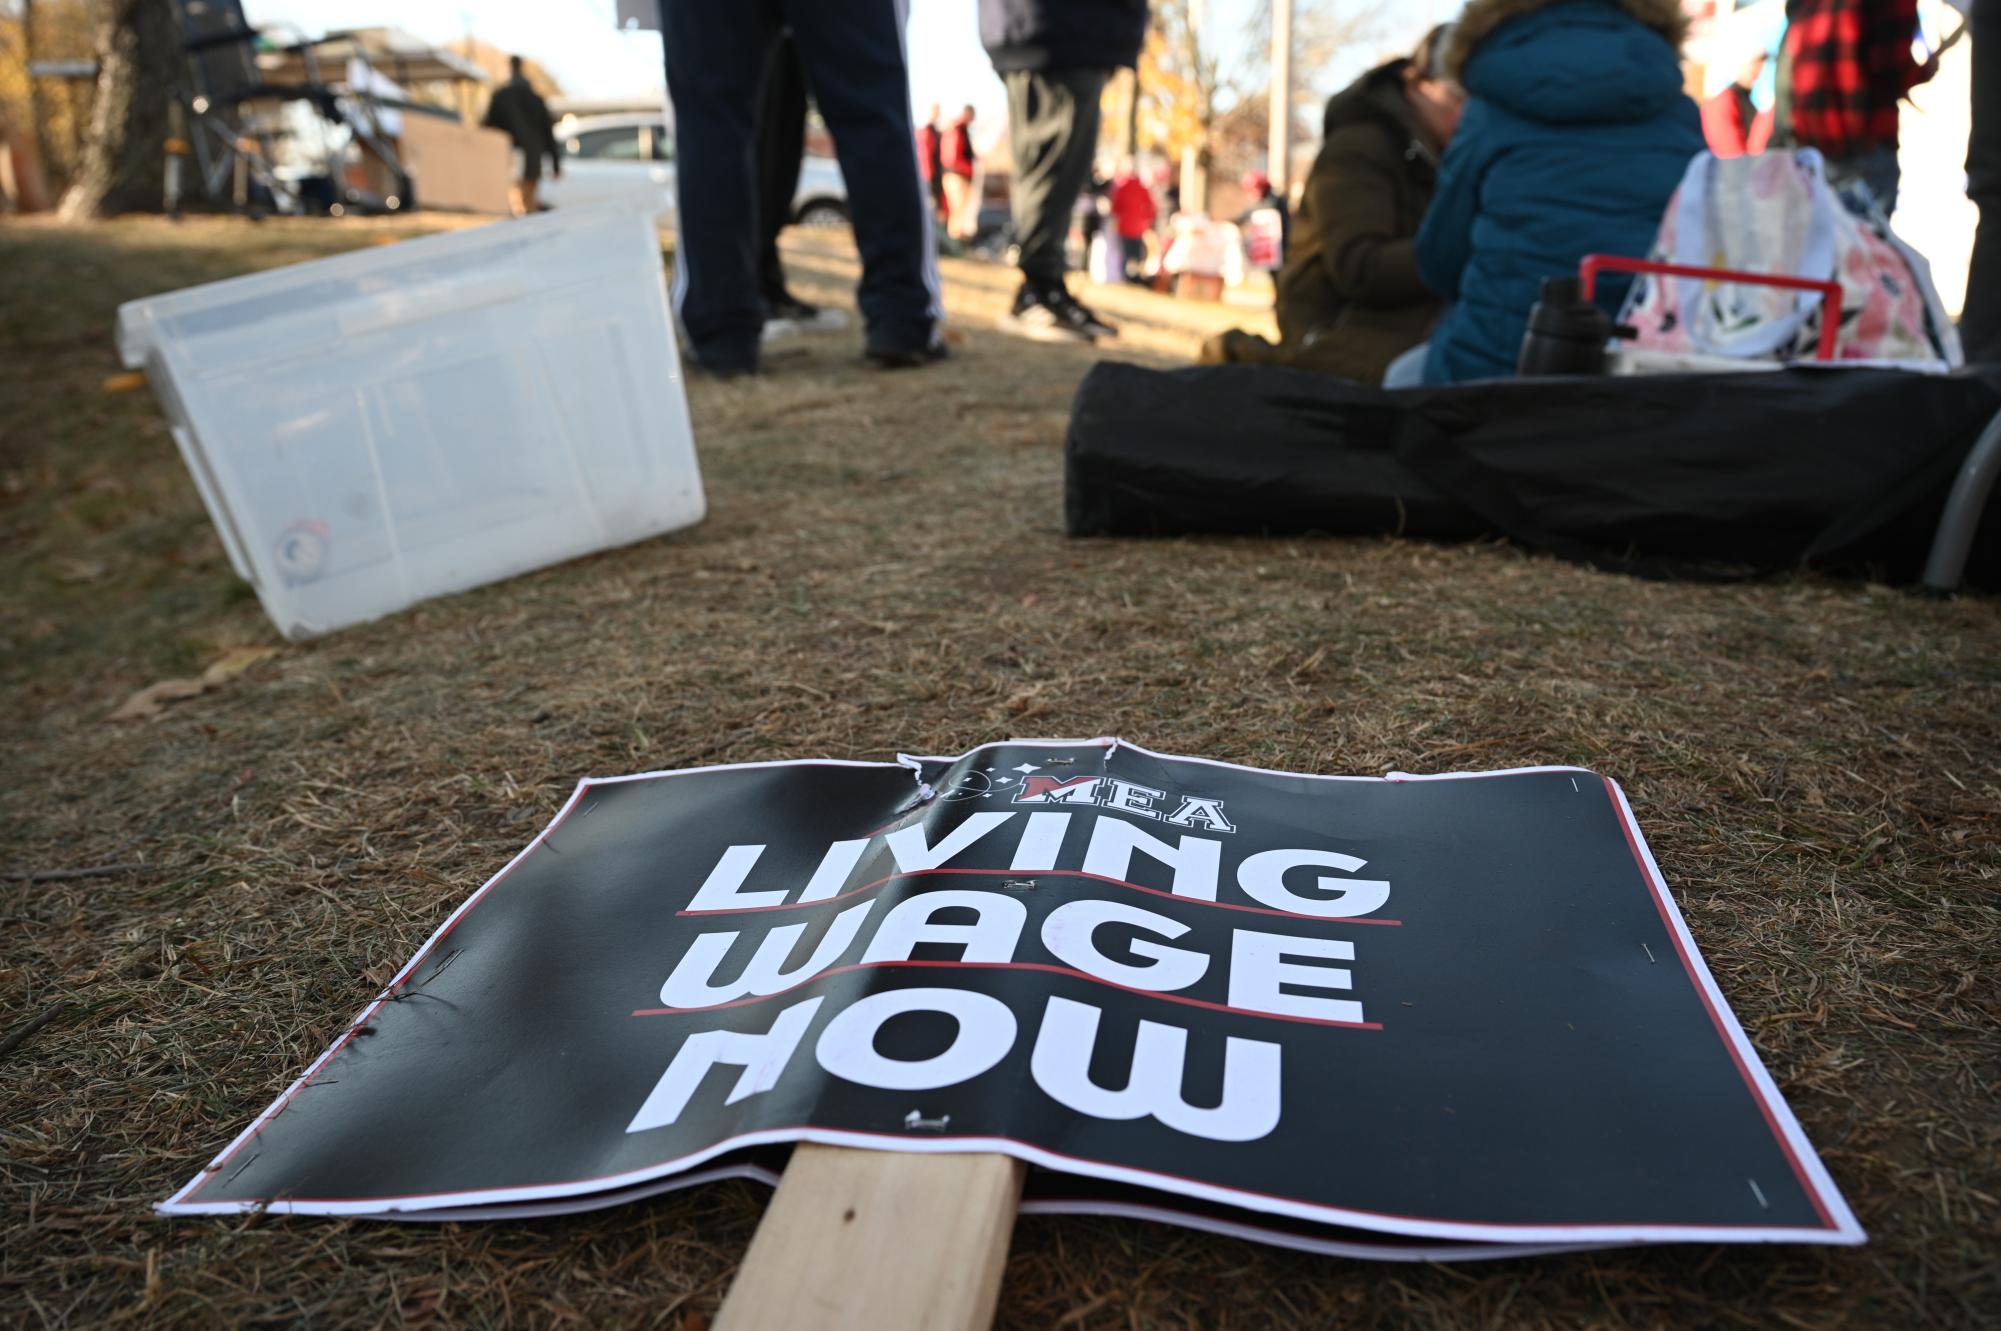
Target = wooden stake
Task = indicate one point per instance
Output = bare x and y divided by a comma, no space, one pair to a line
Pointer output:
878,1241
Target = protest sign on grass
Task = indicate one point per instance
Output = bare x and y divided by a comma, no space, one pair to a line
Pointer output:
1396,1017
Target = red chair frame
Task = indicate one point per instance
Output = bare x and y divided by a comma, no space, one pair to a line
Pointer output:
1830,292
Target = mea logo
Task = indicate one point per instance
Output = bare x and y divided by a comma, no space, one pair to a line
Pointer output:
1109,792
1027,783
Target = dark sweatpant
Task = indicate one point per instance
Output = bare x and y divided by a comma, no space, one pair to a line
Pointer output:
852,52
1980,324
1052,120
781,146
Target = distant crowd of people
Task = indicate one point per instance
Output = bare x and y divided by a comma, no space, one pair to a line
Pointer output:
1531,133
738,76
1448,185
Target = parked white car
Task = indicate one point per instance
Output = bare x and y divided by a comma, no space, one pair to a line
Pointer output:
605,156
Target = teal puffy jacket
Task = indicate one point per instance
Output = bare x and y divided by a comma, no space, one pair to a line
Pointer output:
1576,132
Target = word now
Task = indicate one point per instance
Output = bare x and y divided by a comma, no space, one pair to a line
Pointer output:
1060,1063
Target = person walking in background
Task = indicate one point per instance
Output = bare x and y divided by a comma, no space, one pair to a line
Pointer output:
1980,322
1054,56
959,163
1576,133
1257,188
931,163
1731,123
852,54
1845,66
1349,298
519,112
1133,213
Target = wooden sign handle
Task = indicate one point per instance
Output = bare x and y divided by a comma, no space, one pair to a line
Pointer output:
860,1240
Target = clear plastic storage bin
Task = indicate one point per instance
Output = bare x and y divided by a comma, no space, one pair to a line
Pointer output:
415,419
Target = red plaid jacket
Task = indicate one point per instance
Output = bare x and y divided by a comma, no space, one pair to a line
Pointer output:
1851,65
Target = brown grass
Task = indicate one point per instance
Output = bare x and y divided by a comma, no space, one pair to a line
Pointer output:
1815,764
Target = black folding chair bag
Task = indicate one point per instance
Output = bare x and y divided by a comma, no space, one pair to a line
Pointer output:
1683,475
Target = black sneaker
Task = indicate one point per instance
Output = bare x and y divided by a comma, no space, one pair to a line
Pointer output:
1081,316
1043,314
894,357
721,363
785,305
785,314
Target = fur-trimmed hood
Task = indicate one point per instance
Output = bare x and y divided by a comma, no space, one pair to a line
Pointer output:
1482,17
1571,62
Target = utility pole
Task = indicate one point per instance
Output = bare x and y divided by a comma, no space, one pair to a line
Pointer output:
1194,179
38,109
1278,151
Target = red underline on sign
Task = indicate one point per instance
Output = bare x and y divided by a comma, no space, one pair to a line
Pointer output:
1040,873
1657,888
1011,966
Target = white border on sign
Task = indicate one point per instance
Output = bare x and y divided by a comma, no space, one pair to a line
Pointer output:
1518,1239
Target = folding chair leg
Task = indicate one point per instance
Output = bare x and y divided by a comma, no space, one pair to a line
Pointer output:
1961,519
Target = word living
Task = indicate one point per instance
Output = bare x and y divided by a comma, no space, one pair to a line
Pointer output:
1107,940
1125,796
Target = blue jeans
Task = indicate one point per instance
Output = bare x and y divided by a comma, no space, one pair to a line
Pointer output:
1876,170
1407,370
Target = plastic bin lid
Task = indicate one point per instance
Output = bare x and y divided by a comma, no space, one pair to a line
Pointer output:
364,273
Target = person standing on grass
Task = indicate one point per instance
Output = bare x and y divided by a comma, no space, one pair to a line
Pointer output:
852,53
931,163
958,161
1980,322
1731,122
519,112
781,147
1054,56
1133,212
1844,67
1257,188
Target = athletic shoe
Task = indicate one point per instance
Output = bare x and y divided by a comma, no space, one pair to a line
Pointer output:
716,363
787,309
890,357
1082,316
785,305
1043,316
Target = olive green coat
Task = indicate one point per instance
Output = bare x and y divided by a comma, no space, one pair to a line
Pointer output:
1349,296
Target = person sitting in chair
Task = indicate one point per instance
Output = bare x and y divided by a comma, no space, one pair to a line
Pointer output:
1349,295
1576,133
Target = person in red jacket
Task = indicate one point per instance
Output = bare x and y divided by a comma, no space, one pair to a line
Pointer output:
931,162
1845,67
958,160
1133,212
1731,124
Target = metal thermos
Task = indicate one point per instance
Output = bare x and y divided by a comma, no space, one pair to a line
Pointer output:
1567,333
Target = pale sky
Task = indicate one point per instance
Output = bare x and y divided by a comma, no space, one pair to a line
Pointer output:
592,58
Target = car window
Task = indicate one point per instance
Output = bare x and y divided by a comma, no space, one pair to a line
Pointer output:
663,143
619,145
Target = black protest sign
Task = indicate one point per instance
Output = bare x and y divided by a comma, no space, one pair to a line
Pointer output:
1455,1009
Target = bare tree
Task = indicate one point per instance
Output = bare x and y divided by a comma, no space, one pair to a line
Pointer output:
139,57
1326,34
38,111
1183,80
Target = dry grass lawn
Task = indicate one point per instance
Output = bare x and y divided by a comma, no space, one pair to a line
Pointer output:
1817,765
